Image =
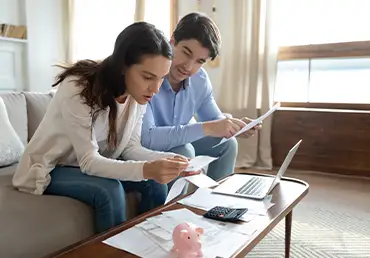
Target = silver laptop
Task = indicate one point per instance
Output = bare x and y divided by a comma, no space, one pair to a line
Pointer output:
256,187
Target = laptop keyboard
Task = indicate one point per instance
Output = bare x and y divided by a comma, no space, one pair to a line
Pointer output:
254,186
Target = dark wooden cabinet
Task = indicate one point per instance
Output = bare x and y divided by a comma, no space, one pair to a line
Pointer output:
336,141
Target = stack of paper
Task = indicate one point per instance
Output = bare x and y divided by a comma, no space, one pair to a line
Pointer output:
155,235
204,199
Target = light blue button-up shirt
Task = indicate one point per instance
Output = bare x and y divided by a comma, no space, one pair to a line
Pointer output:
166,121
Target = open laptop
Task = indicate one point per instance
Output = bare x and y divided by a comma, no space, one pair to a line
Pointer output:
256,187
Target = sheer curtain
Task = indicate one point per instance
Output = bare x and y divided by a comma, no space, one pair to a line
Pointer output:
248,73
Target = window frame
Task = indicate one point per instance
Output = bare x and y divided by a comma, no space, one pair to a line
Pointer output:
327,50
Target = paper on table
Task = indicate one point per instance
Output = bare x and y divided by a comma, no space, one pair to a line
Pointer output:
200,180
212,227
156,241
204,199
251,124
128,240
199,162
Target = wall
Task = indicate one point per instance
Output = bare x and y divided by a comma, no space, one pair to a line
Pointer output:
335,141
13,73
45,42
224,9
12,11
29,64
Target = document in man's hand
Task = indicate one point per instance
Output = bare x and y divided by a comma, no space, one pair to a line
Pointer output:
251,124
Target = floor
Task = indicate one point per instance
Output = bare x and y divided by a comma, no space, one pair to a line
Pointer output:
333,220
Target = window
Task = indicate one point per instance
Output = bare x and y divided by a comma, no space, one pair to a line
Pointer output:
97,24
158,12
324,54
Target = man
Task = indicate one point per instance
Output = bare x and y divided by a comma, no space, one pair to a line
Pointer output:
187,91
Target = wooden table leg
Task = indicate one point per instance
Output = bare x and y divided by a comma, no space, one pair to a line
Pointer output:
288,233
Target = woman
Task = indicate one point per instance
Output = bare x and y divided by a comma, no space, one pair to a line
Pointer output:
86,145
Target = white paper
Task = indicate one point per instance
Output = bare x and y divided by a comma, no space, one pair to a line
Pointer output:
199,162
129,240
212,227
176,189
200,180
155,235
204,199
252,124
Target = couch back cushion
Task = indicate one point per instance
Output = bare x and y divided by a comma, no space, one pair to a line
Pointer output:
16,108
37,103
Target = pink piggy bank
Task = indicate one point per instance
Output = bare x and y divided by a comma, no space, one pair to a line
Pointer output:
187,240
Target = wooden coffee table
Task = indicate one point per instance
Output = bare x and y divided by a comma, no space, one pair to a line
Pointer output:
286,196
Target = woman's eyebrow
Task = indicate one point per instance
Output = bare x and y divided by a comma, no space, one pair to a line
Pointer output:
149,73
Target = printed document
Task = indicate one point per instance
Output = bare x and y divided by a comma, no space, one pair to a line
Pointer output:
251,124
220,239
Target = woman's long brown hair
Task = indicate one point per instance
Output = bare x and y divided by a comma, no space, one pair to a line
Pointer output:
103,81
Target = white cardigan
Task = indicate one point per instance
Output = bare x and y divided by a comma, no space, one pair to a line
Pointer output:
64,137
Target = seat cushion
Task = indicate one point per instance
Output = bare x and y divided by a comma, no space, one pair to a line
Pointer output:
16,108
35,226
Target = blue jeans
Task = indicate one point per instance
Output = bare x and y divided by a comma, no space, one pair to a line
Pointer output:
226,152
105,196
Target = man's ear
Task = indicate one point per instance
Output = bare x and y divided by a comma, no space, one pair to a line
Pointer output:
172,40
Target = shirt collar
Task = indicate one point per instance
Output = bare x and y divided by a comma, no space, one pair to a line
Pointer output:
167,86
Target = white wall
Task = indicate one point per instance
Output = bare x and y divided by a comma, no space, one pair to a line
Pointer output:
13,73
33,60
223,14
45,42
11,11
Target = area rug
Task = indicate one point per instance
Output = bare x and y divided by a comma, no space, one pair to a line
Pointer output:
319,232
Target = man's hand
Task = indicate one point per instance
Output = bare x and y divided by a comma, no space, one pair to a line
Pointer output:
252,131
223,128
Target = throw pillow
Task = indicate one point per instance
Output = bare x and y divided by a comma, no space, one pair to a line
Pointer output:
11,146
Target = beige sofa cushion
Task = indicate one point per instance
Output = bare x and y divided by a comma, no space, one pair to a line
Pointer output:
17,111
34,226
37,104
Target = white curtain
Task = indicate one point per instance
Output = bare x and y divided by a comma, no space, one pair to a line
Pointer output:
248,75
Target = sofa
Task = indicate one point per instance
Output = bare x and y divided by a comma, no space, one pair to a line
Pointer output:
35,226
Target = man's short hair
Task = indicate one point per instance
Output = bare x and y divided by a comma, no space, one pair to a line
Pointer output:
202,28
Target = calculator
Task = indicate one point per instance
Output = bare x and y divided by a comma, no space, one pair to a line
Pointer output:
225,214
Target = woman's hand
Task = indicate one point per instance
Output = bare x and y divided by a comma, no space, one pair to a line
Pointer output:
165,170
186,173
